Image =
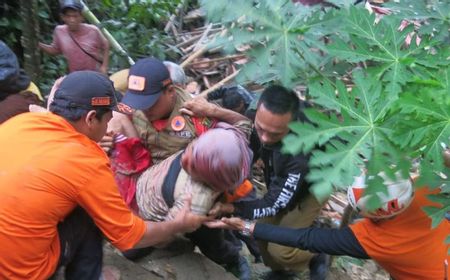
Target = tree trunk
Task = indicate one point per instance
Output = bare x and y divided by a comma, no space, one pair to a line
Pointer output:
29,40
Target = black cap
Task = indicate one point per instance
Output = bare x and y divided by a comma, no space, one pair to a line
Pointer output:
147,79
12,78
70,4
88,90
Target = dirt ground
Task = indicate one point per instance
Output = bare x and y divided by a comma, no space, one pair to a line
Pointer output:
180,261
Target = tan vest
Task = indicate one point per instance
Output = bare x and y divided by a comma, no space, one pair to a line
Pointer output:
166,142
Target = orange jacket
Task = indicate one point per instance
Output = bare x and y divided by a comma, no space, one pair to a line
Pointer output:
47,168
406,246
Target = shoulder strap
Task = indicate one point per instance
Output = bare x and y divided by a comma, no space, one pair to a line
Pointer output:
168,186
81,48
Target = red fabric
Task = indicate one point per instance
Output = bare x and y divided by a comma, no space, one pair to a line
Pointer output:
159,124
128,160
203,124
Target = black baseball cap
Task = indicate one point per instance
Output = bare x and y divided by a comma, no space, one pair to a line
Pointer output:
88,90
147,79
13,79
70,4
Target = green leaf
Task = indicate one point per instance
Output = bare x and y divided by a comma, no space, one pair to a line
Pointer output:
436,13
384,46
437,214
356,129
284,37
425,122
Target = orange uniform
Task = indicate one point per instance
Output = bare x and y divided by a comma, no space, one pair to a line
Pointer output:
395,243
47,168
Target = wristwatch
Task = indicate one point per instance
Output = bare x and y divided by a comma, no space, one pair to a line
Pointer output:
246,231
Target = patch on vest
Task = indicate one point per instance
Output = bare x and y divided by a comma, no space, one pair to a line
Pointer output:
178,123
206,122
182,134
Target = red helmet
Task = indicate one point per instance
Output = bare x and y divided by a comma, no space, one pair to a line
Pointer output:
399,195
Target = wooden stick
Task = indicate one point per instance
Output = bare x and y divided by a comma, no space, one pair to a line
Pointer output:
199,43
173,16
193,56
192,39
219,84
217,59
193,33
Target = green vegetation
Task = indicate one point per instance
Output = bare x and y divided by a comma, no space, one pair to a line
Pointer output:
379,102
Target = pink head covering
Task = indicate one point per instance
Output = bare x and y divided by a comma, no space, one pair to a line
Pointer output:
220,158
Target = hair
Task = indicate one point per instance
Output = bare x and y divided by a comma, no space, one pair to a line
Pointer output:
221,167
65,108
232,99
67,9
177,74
279,100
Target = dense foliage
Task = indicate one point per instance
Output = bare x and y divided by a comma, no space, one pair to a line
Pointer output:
136,25
381,92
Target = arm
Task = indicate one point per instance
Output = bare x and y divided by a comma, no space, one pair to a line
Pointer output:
283,189
53,48
199,107
49,49
119,124
100,198
317,240
161,232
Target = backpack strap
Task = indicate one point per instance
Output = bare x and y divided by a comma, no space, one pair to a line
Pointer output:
170,180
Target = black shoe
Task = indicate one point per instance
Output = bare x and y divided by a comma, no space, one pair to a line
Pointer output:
318,267
280,275
135,254
258,259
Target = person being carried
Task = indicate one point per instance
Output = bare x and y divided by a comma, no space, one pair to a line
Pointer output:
83,45
398,235
165,125
69,195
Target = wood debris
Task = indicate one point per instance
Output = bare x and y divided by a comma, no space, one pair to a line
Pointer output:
207,68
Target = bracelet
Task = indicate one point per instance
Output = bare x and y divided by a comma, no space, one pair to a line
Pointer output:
246,230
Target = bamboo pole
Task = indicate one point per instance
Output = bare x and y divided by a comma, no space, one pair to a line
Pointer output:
94,20
216,59
193,56
199,43
219,84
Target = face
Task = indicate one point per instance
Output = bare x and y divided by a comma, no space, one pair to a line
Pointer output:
97,128
163,107
271,128
72,19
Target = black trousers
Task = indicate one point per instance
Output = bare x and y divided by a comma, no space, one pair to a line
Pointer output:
213,244
81,246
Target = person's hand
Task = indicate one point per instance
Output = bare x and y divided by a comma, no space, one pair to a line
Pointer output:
107,142
188,221
198,107
220,209
233,223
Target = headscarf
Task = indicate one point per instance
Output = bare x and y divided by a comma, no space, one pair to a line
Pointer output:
220,157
